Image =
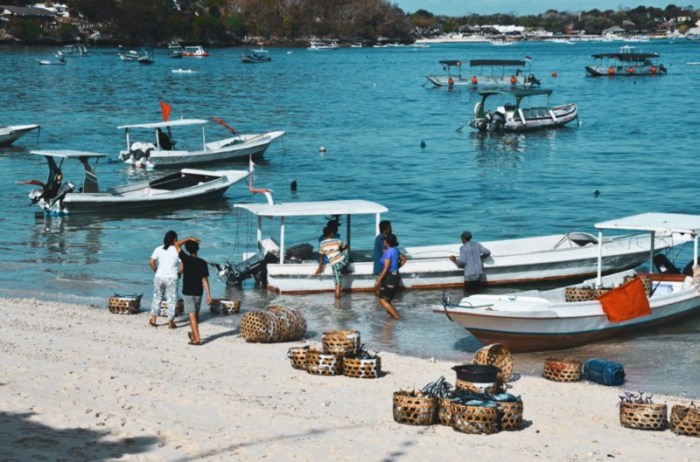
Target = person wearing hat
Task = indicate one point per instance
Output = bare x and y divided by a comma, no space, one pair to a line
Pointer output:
471,256
389,279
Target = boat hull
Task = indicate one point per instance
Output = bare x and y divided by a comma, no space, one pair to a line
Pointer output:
529,119
481,81
624,71
12,133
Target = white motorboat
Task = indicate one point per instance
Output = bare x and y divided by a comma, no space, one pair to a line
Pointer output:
78,50
543,320
175,49
162,150
322,46
256,56
195,51
567,256
515,117
59,61
486,73
178,190
10,133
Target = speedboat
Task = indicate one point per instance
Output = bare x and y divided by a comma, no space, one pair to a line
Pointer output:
567,256
162,149
195,51
256,56
515,117
629,61
129,55
484,73
58,197
322,46
561,318
10,133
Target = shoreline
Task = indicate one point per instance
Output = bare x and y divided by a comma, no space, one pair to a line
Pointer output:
86,384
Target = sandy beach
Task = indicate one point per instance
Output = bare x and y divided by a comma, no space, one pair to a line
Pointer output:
81,383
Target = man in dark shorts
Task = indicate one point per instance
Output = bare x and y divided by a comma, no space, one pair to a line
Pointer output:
389,279
194,283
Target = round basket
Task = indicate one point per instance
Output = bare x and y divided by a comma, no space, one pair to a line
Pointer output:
475,420
646,281
412,409
342,342
474,387
445,411
562,370
297,356
224,306
320,363
290,324
496,355
510,415
124,305
685,420
257,326
579,294
179,308
362,368
643,416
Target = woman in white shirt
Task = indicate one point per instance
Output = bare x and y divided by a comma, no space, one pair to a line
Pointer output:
167,267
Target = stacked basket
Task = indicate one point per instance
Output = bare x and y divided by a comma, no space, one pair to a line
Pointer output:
179,308
275,324
124,304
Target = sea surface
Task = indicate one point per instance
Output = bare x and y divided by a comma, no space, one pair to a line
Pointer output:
389,136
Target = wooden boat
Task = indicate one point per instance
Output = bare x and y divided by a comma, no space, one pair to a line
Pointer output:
487,73
59,197
567,256
195,51
256,56
629,61
515,117
10,133
543,320
162,150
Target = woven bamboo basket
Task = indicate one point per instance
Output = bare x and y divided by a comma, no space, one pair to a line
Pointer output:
579,294
321,363
685,420
445,411
179,308
473,387
643,416
411,408
224,306
297,356
496,355
291,324
562,370
646,280
342,342
124,305
362,368
475,420
257,326
510,415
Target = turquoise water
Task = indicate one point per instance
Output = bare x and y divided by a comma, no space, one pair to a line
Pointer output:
371,109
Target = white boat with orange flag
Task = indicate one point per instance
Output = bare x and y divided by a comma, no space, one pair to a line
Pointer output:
604,307
162,149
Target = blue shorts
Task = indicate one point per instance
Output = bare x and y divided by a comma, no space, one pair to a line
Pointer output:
192,303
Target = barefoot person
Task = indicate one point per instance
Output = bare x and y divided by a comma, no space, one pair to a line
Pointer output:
167,267
388,280
335,252
471,256
195,282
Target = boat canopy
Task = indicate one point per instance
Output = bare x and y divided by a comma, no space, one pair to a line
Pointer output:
629,56
169,123
69,154
655,222
320,208
517,92
497,62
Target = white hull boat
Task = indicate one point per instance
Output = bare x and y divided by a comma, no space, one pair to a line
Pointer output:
486,73
58,197
516,118
566,256
629,61
157,154
553,319
11,133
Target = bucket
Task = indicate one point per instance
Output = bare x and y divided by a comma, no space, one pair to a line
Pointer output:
604,372
478,373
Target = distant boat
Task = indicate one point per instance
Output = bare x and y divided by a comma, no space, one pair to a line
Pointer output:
183,71
10,133
485,73
323,46
195,51
356,45
75,50
175,49
629,61
60,61
256,56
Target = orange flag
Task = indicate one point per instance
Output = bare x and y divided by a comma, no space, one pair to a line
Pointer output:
626,302
165,109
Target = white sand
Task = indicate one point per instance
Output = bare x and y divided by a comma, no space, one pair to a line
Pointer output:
81,383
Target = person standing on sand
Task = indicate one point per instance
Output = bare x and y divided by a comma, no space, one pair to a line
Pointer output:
334,251
167,268
389,279
471,256
384,229
195,282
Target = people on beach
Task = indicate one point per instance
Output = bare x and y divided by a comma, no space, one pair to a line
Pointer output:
384,229
167,267
387,282
471,256
195,282
335,253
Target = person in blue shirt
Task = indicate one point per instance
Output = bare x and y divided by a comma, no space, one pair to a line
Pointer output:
384,229
471,256
389,279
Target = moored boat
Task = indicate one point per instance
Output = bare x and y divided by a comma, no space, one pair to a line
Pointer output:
516,118
58,197
175,49
562,318
316,45
10,133
485,73
194,51
629,61
256,56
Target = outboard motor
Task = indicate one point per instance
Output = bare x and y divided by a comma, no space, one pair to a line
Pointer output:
532,80
499,121
254,267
